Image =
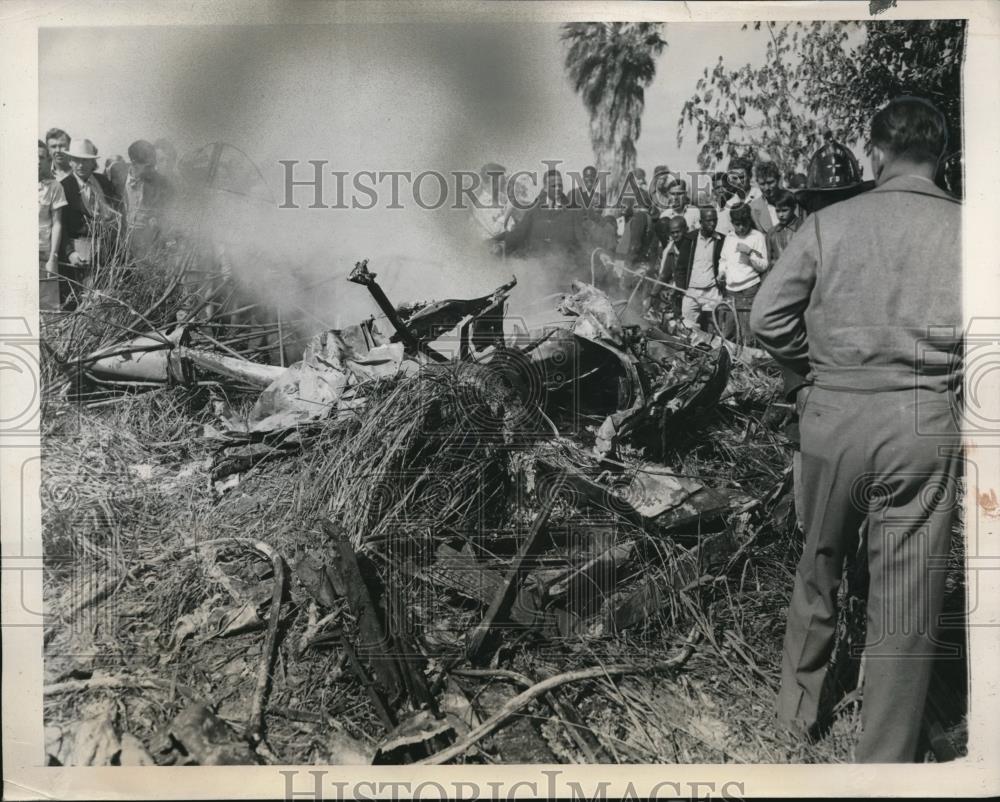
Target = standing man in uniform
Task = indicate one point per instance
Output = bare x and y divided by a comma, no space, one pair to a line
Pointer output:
879,442
834,176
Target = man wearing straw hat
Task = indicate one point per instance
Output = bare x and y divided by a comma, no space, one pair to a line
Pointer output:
87,209
868,306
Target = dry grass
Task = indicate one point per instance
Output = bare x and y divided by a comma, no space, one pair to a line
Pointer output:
126,481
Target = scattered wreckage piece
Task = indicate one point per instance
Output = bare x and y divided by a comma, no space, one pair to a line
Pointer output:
597,318
150,358
317,576
653,422
583,591
237,456
480,319
363,276
382,641
579,490
461,573
658,502
673,510
255,374
373,639
703,507
327,381
500,608
91,741
640,380
159,358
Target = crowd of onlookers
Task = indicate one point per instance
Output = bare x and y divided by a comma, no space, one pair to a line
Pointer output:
85,213
686,251
690,254
676,258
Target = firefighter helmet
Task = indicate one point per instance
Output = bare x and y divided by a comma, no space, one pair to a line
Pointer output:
834,175
832,166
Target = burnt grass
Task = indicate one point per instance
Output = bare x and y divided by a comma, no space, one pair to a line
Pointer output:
126,482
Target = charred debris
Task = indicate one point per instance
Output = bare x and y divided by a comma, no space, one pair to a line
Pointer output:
479,493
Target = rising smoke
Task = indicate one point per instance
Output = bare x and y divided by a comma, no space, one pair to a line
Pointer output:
441,97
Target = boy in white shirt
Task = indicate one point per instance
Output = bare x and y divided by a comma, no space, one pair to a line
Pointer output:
741,264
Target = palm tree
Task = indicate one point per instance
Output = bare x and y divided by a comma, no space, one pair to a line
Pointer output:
610,65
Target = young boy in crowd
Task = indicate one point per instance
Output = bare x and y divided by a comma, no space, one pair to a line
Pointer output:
786,210
762,209
742,263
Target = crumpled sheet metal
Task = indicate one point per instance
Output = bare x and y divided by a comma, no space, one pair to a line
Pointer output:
333,365
598,319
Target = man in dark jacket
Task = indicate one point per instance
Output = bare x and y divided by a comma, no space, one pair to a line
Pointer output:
762,208
697,270
880,446
147,196
88,218
637,247
589,198
550,228
636,242
788,222
663,299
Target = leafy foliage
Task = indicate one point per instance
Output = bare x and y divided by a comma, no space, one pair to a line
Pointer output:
610,64
820,76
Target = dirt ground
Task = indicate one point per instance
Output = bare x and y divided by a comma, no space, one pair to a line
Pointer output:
127,500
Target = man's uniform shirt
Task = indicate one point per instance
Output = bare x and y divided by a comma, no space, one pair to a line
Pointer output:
879,298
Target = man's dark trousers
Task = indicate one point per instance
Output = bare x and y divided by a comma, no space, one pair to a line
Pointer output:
890,460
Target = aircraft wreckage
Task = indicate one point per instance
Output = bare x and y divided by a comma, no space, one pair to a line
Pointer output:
634,383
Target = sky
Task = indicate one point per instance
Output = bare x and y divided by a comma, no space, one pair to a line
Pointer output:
360,92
